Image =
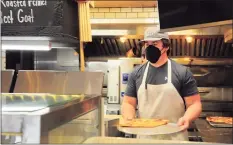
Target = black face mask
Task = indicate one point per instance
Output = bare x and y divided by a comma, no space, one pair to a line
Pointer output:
153,53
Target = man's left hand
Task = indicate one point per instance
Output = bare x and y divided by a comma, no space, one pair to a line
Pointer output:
183,123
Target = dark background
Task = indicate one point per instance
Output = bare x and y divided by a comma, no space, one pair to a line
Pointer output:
178,13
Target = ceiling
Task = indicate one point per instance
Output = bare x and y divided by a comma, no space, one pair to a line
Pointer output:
114,4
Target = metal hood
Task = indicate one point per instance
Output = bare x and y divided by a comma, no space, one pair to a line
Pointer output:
202,46
37,43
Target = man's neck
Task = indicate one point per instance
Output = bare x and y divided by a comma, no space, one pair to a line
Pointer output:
162,60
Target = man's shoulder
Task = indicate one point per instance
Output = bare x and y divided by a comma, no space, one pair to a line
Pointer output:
138,70
178,68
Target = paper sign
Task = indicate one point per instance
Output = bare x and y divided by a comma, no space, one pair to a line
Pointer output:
125,77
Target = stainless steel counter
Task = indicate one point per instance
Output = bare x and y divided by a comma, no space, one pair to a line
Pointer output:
34,115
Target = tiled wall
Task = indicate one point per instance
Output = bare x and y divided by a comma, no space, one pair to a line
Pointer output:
122,13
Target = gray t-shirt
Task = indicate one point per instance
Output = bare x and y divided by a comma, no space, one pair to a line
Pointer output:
182,79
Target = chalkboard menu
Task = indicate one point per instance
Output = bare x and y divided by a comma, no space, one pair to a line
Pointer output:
39,18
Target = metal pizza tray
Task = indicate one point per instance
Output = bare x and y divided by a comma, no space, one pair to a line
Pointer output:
220,125
159,130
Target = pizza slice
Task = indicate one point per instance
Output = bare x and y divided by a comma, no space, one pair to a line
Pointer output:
143,123
228,121
218,119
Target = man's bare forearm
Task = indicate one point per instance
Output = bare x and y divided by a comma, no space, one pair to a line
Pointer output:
193,111
128,111
128,107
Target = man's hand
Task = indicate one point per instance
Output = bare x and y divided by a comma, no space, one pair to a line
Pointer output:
128,107
128,111
194,108
183,123
124,120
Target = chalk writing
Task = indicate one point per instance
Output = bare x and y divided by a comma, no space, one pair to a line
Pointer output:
24,18
8,19
13,4
19,11
37,3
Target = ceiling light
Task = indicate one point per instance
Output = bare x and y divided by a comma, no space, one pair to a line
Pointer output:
26,46
186,59
75,54
122,39
189,39
109,32
101,41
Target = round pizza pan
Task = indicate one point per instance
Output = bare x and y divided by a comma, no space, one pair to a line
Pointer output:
170,128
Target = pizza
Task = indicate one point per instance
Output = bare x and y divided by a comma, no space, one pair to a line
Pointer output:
143,123
218,119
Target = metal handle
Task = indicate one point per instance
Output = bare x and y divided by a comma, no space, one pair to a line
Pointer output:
205,72
204,91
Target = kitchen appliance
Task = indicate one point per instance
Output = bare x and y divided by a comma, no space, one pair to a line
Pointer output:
118,74
127,65
113,82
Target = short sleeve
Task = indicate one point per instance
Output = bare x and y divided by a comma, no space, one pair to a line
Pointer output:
189,84
131,86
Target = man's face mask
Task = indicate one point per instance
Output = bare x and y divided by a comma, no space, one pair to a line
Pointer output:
153,53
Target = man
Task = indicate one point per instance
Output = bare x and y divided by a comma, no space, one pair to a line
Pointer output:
161,88
143,55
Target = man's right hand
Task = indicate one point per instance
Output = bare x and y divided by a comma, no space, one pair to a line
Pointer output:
128,109
124,120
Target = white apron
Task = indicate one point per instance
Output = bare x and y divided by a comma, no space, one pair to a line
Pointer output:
161,101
